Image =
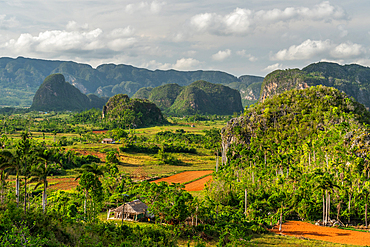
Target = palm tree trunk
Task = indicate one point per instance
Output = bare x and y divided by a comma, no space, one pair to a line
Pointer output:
349,209
323,209
25,193
17,190
281,218
85,202
44,199
366,215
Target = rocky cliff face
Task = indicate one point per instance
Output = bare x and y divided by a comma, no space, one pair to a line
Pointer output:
354,80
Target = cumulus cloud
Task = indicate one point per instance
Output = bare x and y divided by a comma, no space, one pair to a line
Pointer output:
242,21
312,48
122,32
120,44
181,64
186,64
347,50
243,53
221,55
53,41
152,7
73,26
273,67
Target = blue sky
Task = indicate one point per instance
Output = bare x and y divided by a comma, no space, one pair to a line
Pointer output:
238,37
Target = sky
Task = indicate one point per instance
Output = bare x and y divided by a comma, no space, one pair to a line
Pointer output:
251,37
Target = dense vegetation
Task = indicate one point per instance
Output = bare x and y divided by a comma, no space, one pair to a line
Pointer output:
21,77
200,97
301,154
126,112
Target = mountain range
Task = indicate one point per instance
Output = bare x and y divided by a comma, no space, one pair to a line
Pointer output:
21,77
352,79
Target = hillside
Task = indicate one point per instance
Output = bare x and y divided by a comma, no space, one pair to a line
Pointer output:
132,112
199,97
299,154
55,94
21,77
352,79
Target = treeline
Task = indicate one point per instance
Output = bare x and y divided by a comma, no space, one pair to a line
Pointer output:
35,217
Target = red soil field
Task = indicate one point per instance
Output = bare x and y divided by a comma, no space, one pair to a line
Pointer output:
197,185
62,183
330,234
183,177
99,131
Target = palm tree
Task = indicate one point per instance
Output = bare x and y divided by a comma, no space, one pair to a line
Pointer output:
3,176
10,161
24,156
90,168
326,184
40,172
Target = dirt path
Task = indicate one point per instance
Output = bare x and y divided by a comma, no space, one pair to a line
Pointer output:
330,234
197,185
183,177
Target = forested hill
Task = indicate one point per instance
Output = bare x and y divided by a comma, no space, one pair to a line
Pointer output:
21,77
200,97
292,150
352,79
55,94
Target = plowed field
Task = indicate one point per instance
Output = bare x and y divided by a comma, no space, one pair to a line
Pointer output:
330,234
197,185
184,177
62,183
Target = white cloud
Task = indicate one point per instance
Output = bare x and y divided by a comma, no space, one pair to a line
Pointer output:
181,64
306,50
242,21
347,50
122,43
273,67
343,31
311,48
7,22
152,7
53,41
243,53
122,32
186,64
221,55
73,26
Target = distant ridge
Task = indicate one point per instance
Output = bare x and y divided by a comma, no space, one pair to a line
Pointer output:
352,79
21,77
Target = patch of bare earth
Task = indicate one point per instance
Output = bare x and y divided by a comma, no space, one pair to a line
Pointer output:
183,177
198,185
330,234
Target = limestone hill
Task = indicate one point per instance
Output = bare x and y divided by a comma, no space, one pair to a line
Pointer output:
55,94
132,112
199,97
352,79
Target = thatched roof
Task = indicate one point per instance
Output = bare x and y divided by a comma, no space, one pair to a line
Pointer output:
134,207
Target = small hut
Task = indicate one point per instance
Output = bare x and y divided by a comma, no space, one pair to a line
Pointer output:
108,141
134,210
